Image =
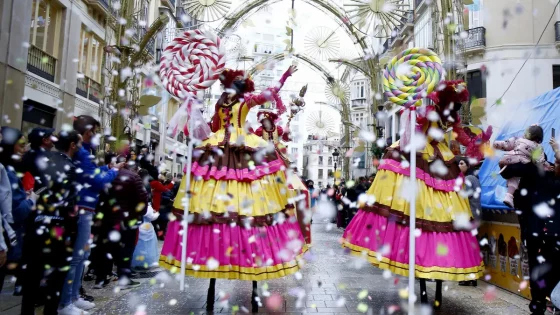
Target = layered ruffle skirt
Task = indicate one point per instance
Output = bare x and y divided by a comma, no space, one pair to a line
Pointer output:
380,231
242,222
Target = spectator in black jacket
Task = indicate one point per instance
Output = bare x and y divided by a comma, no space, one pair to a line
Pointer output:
123,206
48,243
36,160
541,233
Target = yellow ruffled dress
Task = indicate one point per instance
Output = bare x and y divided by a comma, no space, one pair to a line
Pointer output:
380,230
243,224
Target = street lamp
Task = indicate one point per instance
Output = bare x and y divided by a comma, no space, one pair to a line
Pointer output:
335,155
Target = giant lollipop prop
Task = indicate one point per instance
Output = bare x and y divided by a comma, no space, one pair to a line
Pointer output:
191,63
411,76
407,80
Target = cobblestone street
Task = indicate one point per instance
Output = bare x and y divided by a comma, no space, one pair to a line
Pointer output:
330,283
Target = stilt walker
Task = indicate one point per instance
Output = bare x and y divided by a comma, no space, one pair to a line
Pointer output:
411,229
271,130
241,223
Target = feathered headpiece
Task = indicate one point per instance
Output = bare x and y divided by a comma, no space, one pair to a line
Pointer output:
228,76
270,114
450,93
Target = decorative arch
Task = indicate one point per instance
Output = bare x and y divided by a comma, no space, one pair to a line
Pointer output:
255,69
232,20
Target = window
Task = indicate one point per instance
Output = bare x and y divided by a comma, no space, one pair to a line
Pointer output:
476,14
476,84
45,26
320,184
555,76
294,150
36,115
330,161
423,31
320,160
358,90
91,55
320,173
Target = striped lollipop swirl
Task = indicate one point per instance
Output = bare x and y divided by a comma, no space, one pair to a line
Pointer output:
411,76
192,62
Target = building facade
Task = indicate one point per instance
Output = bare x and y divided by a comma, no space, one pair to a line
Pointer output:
318,161
55,62
489,51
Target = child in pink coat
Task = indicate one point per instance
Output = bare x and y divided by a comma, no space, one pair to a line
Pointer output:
521,150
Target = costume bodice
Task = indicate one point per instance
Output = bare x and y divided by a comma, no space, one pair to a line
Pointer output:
232,128
234,115
271,135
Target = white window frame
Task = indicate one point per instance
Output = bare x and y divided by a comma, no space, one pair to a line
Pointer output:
48,22
476,18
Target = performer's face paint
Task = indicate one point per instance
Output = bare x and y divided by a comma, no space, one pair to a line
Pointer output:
267,124
239,86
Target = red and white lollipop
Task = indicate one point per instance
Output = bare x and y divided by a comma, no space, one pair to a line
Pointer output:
191,63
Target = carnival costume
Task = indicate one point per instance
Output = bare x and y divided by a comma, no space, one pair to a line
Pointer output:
243,223
271,131
380,229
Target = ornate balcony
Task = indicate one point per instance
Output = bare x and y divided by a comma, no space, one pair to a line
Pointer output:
87,88
100,5
41,63
151,47
476,39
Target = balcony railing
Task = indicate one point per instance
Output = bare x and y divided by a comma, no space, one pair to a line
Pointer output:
171,33
151,47
41,63
89,89
557,31
417,3
105,3
476,38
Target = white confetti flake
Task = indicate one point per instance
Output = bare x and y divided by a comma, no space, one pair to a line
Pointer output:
543,211
212,264
439,168
114,236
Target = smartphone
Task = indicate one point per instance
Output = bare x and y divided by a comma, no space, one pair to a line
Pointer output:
553,133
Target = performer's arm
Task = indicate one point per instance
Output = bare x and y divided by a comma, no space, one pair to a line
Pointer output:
286,136
259,131
472,143
267,95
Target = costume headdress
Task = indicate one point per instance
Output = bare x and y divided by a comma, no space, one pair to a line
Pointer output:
228,76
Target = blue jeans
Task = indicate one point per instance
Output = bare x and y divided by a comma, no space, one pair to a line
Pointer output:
71,288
